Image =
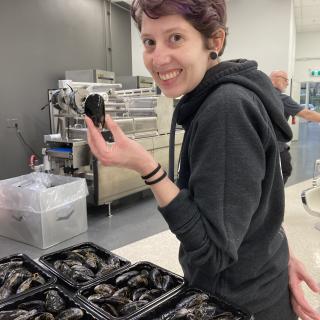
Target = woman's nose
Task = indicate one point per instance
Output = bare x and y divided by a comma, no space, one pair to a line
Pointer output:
161,56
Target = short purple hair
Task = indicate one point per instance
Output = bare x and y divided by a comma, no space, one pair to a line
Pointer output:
206,16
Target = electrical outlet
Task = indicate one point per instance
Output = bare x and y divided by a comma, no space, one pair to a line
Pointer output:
12,123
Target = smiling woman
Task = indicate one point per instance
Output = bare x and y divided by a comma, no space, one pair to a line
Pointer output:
227,205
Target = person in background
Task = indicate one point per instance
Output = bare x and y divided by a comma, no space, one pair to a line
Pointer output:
227,207
280,81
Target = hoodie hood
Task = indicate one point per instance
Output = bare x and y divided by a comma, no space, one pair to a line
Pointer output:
242,72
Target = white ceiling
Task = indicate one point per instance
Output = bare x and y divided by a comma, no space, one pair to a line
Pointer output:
307,13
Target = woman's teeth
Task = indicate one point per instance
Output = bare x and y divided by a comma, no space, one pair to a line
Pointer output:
169,75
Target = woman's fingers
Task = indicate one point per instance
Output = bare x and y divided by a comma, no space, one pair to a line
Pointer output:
96,141
312,284
116,131
302,312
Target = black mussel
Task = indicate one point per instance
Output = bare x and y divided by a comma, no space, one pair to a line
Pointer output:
117,302
110,309
71,255
156,278
11,314
34,281
167,282
70,314
224,316
138,281
150,294
105,269
123,292
193,300
39,305
123,278
5,292
28,316
54,303
132,307
182,313
81,273
138,293
94,108
105,288
92,260
99,298
113,260
16,277
45,316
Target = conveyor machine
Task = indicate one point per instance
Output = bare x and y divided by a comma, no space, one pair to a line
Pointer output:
141,113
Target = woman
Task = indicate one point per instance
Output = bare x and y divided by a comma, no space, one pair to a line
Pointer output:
228,204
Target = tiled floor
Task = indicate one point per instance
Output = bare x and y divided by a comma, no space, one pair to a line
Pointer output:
136,227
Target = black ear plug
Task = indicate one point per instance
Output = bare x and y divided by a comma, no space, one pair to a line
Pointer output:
213,55
94,108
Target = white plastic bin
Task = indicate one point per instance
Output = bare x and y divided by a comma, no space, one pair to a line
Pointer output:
42,209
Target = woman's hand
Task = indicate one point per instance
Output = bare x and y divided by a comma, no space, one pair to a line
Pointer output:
298,274
124,152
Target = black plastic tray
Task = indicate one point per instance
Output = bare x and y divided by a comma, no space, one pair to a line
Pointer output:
31,266
86,291
157,311
48,260
40,295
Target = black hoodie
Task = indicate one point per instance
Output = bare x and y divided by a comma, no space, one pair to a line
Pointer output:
229,211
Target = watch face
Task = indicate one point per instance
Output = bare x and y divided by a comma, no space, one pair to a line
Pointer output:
94,109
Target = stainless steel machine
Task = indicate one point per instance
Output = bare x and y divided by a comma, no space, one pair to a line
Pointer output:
142,115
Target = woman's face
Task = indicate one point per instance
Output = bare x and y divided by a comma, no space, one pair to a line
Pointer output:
174,54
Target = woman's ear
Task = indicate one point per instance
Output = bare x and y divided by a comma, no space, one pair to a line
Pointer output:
216,41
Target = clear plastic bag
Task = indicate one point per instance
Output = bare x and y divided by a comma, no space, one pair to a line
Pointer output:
39,191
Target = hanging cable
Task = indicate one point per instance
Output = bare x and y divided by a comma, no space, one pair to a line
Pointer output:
21,138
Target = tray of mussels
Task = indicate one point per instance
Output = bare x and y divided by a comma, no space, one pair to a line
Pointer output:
48,303
130,291
20,275
81,264
194,304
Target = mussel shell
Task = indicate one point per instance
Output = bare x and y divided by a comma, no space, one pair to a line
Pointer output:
99,297
156,278
5,292
123,292
16,277
94,108
132,307
34,281
138,281
105,288
138,293
70,314
167,282
192,300
27,316
110,309
54,303
11,314
123,278
39,305
45,316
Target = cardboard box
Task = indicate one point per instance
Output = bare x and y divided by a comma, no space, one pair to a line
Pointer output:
42,209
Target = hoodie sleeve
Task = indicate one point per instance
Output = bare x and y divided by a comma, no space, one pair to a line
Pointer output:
227,162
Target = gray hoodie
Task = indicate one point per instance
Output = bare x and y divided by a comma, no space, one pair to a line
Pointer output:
229,211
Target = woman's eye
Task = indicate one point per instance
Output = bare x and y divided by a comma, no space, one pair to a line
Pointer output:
148,42
175,38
